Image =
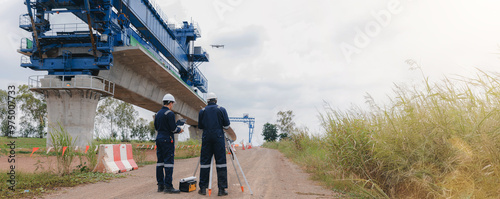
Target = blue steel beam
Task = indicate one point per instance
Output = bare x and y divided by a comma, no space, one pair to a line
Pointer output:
144,17
111,28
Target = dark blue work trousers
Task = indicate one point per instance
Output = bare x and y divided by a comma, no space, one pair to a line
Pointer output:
165,154
213,144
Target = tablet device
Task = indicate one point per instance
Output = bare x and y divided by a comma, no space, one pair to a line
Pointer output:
181,122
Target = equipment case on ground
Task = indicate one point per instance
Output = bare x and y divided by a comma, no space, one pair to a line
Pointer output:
187,186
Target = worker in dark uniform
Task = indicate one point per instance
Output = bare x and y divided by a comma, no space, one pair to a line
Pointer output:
213,119
166,127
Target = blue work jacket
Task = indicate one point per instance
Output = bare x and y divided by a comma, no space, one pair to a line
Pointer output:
165,124
213,118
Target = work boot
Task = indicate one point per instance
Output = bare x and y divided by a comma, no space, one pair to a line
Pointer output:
171,190
222,192
161,188
202,191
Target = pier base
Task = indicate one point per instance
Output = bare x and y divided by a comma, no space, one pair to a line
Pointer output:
72,104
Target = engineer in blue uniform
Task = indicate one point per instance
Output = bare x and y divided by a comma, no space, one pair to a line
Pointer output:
166,127
213,119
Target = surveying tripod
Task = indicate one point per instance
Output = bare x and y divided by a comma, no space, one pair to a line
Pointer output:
233,157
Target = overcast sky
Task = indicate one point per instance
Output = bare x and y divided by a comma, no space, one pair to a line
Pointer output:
297,55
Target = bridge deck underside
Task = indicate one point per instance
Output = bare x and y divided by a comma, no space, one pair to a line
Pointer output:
142,81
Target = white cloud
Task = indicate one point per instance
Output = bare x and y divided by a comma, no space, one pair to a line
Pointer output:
284,55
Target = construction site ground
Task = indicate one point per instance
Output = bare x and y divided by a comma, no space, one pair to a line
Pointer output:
269,173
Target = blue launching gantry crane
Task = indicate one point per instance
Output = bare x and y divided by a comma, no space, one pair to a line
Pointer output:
247,120
57,48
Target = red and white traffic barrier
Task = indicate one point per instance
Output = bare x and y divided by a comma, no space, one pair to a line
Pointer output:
115,158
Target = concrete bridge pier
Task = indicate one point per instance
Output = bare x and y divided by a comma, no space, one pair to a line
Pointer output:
195,133
71,104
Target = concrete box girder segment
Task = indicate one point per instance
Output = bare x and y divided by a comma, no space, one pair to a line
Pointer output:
141,80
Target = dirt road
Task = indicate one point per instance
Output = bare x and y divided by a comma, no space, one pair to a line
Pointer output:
269,174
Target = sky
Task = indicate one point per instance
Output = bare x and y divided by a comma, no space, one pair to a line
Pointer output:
300,55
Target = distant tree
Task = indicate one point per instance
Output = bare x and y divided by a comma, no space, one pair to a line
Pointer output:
141,130
283,136
4,125
270,132
126,115
119,116
105,114
34,110
3,104
27,130
152,130
285,123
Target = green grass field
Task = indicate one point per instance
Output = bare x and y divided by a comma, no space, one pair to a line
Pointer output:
23,143
26,145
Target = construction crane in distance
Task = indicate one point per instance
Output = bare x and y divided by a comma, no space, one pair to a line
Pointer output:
247,120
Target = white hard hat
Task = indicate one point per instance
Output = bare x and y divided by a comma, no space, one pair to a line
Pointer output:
211,96
169,97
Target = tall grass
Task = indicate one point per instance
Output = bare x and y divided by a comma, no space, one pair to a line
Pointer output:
439,140
61,138
188,152
90,157
139,155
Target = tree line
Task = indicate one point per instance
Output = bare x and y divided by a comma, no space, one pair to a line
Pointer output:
32,109
285,125
114,119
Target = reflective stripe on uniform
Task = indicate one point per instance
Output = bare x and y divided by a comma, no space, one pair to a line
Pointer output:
160,164
205,166
166,112
169,165
221,165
